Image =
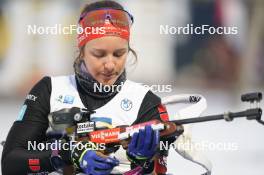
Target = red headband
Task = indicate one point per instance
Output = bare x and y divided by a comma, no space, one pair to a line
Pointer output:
104,22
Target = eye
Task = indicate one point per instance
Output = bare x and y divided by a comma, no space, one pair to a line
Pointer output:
119,53
99,54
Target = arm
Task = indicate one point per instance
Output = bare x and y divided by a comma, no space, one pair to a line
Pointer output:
30,126
151,108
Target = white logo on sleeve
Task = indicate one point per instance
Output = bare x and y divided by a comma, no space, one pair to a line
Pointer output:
126,104
31,97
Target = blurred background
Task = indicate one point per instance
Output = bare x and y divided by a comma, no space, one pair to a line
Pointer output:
219,67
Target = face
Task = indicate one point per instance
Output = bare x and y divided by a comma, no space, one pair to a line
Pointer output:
105,58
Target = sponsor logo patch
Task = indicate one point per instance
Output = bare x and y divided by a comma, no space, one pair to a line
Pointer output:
60,98
194,99
126,104
105,136
31,97
85,127
67,99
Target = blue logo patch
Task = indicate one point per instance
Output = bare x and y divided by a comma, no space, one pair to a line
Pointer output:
68,99
22,113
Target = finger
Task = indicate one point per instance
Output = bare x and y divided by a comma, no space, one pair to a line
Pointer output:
148,137
109,160
102,166
112,161
133,144
141,139
156,139
99,158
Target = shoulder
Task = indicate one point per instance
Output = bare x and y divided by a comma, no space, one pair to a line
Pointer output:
43,85
36,105
47,82
135,86
149,101
149,108
149,95
152,98
62,78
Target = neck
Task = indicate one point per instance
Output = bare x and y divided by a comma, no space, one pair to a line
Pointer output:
92,87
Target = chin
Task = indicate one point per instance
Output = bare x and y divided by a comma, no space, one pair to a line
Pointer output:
108,82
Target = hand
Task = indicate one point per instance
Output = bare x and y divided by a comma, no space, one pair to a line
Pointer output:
92,163
143,145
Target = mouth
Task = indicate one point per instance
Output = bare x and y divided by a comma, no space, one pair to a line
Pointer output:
108,76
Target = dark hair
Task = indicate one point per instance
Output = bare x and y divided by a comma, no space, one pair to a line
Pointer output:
95,6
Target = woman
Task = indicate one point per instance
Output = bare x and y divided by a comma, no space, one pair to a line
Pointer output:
104,47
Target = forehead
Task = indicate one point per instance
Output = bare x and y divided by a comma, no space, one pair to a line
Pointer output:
107,43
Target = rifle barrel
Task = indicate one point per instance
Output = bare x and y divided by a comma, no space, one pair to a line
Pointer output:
250,114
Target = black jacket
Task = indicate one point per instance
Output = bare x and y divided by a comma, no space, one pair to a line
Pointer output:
16,157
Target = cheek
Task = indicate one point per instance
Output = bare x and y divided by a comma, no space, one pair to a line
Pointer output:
122,63
92,66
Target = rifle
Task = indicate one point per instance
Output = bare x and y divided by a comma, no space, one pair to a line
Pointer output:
66,119
113,138
64,122
122,134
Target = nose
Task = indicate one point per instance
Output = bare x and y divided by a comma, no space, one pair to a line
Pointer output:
109,64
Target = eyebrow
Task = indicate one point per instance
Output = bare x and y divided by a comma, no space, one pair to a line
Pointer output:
102,50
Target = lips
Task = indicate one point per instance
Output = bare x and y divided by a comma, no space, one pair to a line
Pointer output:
108,76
